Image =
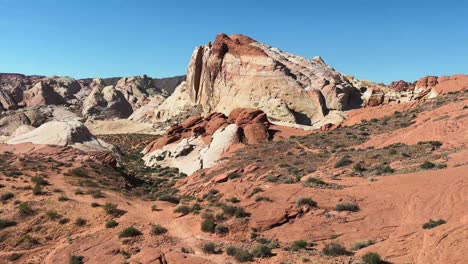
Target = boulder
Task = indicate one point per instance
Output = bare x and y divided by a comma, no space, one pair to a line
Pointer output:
106,103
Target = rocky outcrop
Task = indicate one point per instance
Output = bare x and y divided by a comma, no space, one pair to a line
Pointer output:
200,142
106,103
238,72
72,133
42,94
138,89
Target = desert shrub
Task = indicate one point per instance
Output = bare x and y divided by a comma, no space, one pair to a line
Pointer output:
4,223
315,181
111,223
261,251
233,175
298,245
358,167
53,215
6,196
63,221
260,198
209,248
239,254
344,161
196,208
427,165
334,249
25,209
94,204
384,169
271,178
111,209
79,192
130,231
392,152
221,229
76,259
433,223
351,207
97,194
37,190
182,209
208,225
256,190
306,201
63,198
371,258
233,200
169,198
80,221
158,230
79,172
39,180
361,244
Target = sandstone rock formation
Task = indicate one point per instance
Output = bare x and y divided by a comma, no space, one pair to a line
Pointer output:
237,71
106,103
200,142
72,133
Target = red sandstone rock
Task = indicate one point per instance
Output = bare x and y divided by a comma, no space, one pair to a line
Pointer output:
256,133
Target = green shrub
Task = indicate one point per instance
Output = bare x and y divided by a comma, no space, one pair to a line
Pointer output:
260,198
306,201
111,209
239,254
94,204
111,223
182,209
158,230
256,190
80,221
6,196
271,178
358,167
233,175
221,229
63,198
361,244
196,208
392,152
79,172
351,207
208,225
209,248
433,223
39,180
37,190
130,231
53,215
344,161
25,209
261,251
427,165
315,181
298,244
334,249
63,221
233,200
169,198
4,223
371,258
76,259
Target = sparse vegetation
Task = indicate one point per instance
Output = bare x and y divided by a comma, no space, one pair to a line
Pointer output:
306,201
4,223
182,209
63,198
427,165
111,223
334,249
298,245
130,231
25,209
53,215
208,225
350,207
6,196
344,161
239,254
221,229
209,248
371,258
76,259
433,223
79,172
361,244
158,230
260,198
80,221
262,251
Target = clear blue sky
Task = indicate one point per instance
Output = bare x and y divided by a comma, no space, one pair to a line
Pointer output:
375,40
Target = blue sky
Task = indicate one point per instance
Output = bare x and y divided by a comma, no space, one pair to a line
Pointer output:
376,40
